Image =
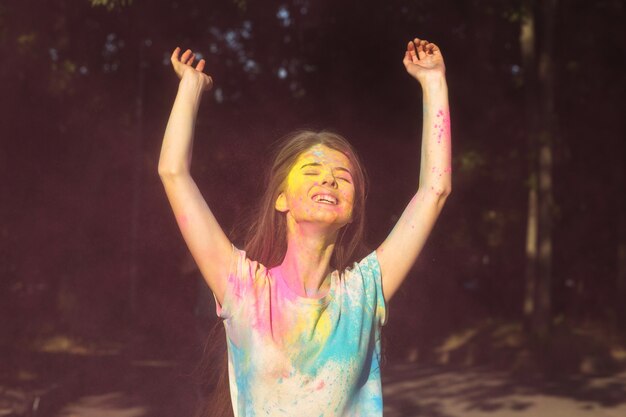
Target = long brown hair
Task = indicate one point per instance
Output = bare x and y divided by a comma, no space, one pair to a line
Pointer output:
266,242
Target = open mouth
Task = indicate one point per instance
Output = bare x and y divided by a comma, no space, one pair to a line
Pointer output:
325,199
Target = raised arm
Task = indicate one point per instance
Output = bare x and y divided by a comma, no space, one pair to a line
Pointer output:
206,240
396,255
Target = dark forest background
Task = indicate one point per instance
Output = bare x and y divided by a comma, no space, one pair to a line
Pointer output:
526,268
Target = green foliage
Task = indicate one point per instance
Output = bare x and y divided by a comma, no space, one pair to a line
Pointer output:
62,77
470,161
242,5
495,227
26,42
111,4
324,64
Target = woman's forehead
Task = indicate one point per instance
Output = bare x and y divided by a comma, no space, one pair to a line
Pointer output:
324,155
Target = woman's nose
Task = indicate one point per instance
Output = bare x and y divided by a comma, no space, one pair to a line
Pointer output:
329,179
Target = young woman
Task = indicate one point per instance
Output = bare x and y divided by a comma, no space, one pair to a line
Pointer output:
302,311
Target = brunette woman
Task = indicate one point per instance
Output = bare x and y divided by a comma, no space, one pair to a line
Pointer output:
302,310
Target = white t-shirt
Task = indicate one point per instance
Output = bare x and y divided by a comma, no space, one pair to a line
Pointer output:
294,356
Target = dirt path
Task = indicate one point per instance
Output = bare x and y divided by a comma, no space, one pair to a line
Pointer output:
409,390
441,392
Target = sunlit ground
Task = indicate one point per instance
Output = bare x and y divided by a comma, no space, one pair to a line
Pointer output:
114,404
70,345
488,369
411,390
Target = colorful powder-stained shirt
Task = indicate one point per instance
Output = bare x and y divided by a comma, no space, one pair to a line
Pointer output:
294,356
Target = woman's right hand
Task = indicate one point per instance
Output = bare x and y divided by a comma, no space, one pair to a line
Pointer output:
183,68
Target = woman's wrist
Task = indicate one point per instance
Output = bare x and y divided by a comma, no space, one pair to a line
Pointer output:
434,88
191,83
190,90
434,83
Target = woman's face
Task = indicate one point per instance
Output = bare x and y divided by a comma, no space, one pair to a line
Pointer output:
319,188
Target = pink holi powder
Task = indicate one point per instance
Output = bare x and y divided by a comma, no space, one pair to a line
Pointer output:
182,221
320,385
444,128
446,121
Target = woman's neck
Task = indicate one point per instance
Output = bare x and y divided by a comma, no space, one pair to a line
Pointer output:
306,265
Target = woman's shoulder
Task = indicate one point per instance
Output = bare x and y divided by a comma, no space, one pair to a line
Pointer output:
242,266
366,268
366,263
362,281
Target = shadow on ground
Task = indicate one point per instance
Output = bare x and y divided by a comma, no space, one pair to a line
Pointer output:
487,370
447,391
494,368
123,384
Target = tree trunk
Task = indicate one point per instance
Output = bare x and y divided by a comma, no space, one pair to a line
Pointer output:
137,168
540,113
621,241
527,46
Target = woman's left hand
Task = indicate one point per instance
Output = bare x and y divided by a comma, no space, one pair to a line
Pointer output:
423,60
